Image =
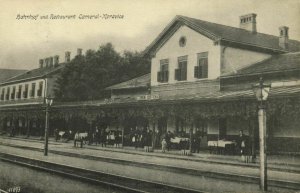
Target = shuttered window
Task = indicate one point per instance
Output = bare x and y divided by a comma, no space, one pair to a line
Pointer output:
163,74
201,70
181,71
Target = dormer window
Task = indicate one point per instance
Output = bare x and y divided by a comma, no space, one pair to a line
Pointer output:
163,74
181,71
201,70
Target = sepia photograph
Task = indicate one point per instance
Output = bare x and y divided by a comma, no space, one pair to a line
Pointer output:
150,96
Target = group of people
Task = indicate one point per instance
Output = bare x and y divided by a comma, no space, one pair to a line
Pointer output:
243,144
103,137
166,141
140,138
195,142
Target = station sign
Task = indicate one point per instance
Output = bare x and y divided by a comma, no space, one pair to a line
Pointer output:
148,97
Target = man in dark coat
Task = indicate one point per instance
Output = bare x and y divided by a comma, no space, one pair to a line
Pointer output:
241,143
197,141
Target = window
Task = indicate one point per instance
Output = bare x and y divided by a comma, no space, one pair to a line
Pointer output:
25,92
163,74
181,71
13,94
182,41
19,92
32,92
201,70
7,93
2,94
40,90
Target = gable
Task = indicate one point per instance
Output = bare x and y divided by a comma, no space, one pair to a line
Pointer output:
195,43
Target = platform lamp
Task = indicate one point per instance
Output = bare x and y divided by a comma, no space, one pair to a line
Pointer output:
48,103
261,92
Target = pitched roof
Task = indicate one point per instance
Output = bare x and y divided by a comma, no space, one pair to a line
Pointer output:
35,73
276,63
223,33
138,82
9,73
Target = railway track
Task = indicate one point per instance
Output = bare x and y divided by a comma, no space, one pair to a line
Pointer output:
105,179
216,175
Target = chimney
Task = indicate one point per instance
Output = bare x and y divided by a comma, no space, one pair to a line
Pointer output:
46,62
67,56
41,61
248,22
79,51
284,37
50,61
56,60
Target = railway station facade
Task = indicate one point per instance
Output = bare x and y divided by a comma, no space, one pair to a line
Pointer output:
201,78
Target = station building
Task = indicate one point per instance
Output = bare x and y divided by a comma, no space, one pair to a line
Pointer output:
22,97
201,78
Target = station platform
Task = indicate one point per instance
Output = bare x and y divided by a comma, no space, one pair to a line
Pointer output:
282,168
289,161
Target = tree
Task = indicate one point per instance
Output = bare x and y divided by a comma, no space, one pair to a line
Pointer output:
86,77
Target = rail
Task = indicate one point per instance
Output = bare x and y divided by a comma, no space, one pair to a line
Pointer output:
117,181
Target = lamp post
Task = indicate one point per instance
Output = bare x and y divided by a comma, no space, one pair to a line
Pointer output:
48,103
261,92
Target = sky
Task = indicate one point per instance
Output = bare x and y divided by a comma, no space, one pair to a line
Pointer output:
24,41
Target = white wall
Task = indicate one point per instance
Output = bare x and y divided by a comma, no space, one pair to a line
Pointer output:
234,59
37,82
195,43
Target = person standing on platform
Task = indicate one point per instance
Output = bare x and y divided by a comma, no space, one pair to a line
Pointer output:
241,143
168,137
103,137
117,138
97,136
56,134
77,138
164,145
197,140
